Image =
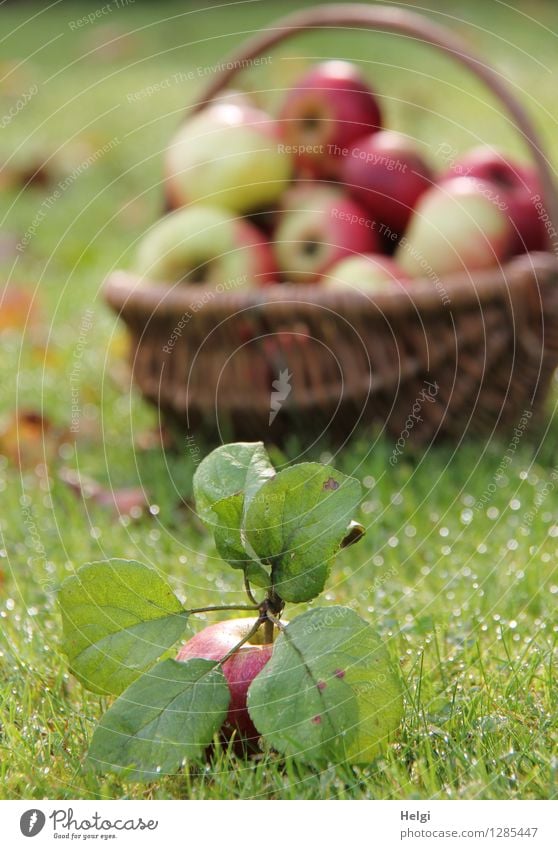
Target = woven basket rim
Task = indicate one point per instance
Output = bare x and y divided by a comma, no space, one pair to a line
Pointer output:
130,294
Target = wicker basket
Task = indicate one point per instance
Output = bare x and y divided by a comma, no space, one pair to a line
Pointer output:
470,354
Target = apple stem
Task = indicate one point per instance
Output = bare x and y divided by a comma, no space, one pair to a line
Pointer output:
268,629
224,607
245,639
275,621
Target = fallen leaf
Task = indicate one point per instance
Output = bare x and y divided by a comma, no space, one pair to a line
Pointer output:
159,437
17,307
28,438
109,43
128,501
8,246
33,171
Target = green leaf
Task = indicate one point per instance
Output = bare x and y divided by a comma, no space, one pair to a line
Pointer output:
167,716
328,693
298,522
240,467
228,539
118,617
225,483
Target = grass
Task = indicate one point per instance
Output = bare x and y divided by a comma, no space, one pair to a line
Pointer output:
465,594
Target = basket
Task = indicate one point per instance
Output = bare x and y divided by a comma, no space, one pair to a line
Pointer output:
469,354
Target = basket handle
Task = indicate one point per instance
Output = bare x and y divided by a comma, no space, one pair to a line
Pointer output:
406,23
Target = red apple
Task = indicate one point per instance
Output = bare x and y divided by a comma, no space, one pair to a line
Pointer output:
386,172
324,113
518,186
318,226
213,643
203,244
457,226
228,155
367,273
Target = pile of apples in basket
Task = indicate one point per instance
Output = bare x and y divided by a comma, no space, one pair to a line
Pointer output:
323,194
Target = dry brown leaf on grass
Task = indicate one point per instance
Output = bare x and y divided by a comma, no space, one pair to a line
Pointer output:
8,246
159,437
18,307
35,170
109,43
128,501
27,438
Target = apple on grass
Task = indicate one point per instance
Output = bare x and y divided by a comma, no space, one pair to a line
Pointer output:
366,273
213,643
318,225
228,155
325,692
205,245
518,187
387,173
457,226
330,107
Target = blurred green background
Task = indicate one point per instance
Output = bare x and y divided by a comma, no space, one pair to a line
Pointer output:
467,597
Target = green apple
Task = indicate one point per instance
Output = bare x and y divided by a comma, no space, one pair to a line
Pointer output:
202,244
228,155
366,273
459,225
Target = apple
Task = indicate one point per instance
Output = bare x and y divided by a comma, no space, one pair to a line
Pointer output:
518,186
228,155
456,226
318,225
324,113
387,173
367,273
202,244
240,669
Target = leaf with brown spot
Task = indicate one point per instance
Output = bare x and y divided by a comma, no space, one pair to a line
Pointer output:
352,717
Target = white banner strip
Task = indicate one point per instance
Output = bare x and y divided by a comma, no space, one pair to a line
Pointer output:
238,824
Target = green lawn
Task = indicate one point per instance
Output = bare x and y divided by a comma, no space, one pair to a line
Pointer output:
467,596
